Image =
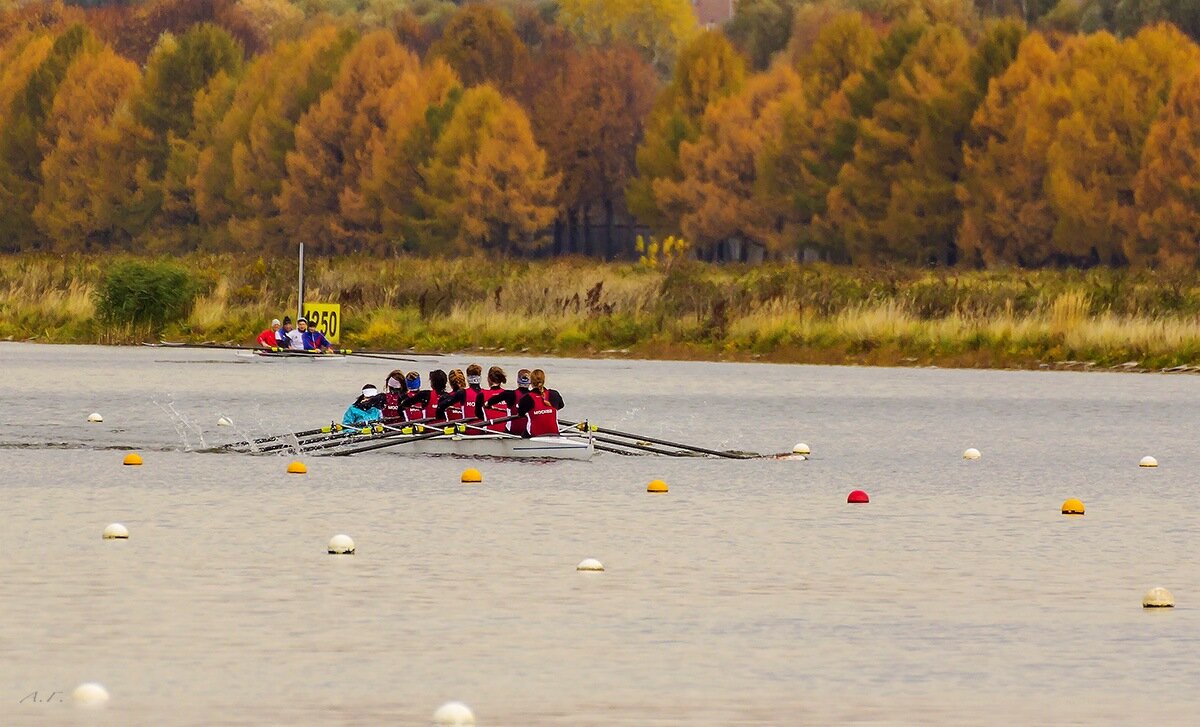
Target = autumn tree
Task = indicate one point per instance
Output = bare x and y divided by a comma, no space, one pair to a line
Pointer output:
1167,187
709,68
481,45
658,28
239,172
761,28
73,210
486,185
896,199
715,200
332,140
589,117
21,139
1006,216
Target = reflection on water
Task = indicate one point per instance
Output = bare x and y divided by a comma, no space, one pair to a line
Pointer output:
750,594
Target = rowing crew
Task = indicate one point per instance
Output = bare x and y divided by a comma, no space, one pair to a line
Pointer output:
301,338
530,410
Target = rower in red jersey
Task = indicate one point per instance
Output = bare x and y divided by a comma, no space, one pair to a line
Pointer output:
415,400
466,400
394,397
437,389
496,381
540,407
511,399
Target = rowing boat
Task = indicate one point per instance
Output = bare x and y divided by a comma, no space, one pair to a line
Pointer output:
564,446
568,445
290,355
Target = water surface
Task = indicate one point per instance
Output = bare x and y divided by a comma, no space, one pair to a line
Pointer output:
751,594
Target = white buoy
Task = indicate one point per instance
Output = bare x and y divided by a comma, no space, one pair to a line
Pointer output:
590,564
972,453
90,694
1158,598
95,418
453,713
224,422
801,448
341,545
1148,461
116,531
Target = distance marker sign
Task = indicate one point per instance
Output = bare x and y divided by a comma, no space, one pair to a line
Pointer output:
326,318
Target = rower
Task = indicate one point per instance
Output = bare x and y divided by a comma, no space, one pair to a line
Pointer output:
496,381
270,337
365,408
437,389
466,400
311,338
393,398
450,407
416,399
511,398
540,407
289,338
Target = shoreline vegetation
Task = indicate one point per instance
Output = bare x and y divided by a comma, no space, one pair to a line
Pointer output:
672,309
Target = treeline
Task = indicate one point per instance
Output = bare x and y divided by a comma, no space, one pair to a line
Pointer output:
865,131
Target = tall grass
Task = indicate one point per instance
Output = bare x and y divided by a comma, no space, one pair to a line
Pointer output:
784,312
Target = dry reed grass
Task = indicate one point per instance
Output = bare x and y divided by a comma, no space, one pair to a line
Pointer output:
578,306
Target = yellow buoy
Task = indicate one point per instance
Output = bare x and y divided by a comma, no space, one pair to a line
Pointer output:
656,486
132,459
1158,598
1072,507
95,418
590,565
472,476
1148,461
972,453
297,468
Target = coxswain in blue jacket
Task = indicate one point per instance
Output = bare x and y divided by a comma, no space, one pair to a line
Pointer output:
365,408
313,339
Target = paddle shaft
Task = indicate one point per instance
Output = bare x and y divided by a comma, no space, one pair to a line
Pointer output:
417,438
677,445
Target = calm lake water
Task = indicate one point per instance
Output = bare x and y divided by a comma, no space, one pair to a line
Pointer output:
751,594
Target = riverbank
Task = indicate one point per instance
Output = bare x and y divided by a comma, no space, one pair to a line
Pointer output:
680,309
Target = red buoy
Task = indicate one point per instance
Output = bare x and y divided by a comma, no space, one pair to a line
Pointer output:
858,496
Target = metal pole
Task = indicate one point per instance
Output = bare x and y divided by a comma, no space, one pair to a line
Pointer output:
300,293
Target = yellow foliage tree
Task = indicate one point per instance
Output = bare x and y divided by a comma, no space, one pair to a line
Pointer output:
659,28
71,211
486,184
715,199
1167,187
332,140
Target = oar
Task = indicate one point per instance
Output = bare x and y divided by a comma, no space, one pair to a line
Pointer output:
642,447
381,357
341,434
643,438
264,440
391,437
614,450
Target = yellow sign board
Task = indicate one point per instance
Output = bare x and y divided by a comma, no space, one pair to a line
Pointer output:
326,318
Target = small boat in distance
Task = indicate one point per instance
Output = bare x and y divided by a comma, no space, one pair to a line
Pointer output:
290,355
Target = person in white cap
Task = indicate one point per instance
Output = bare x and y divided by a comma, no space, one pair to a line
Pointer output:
365,408
269,338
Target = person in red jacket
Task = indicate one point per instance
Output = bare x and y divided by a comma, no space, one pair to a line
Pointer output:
496,381
393,398
540,407
269,338
510,399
